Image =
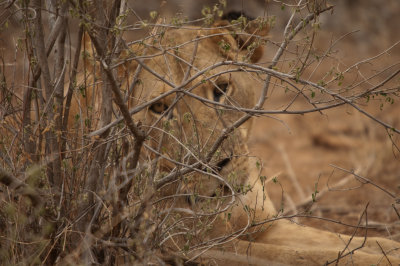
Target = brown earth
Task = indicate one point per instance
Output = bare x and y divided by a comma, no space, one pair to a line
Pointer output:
301,155
303,150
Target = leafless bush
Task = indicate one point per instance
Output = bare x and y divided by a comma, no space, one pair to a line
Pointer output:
100,185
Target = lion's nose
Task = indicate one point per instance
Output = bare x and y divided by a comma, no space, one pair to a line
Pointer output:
224,191
192,200
221,164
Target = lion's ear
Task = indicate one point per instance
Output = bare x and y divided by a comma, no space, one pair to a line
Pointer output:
245,35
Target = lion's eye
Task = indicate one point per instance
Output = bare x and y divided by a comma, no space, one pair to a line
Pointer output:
158,107
222,190
219,91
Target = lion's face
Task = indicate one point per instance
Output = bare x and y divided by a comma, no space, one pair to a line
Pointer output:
184,125
186,98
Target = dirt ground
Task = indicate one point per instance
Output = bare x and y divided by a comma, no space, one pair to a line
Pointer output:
308,152
302,154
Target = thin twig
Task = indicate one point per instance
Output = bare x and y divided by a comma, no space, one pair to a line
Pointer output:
367,181
340,254
383,252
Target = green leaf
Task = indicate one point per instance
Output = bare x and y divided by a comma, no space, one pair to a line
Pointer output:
153,14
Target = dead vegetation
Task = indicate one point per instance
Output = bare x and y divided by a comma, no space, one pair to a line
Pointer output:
84,180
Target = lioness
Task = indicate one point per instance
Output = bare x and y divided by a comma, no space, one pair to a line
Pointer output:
189,99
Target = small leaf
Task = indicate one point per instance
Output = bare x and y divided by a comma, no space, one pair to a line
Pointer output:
153,14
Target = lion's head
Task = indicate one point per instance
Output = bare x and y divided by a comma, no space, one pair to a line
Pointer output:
186,123
188,98
194,98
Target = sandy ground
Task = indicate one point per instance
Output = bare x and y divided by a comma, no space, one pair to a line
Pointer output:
301,152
